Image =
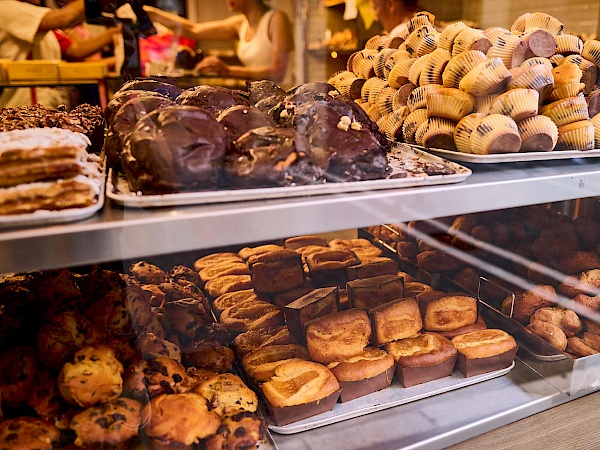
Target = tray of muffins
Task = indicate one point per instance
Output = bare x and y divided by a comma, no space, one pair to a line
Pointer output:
326,331
210,144
50,173
481,96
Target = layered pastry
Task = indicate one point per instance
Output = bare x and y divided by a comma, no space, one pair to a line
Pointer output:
251,315
251,340
395,320
215,258
247,252
227,283
422,358
276,271
362,248
363,374
297,242
174,149
260,364
224,301
484,351
368,293
289,399
338,336
216,270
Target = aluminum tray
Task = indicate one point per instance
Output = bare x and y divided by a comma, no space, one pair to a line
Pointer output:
404,161
395,395
511,157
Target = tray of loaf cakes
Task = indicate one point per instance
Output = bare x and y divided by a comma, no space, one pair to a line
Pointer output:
540,270
326,331
50,169
528,93
209,144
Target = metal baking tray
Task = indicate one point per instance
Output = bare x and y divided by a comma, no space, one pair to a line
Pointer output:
395,395
571,376
404,161
511,157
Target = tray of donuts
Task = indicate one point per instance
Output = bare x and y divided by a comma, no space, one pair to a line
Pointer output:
109,358
327,331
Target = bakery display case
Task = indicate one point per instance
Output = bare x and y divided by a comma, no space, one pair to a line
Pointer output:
336,264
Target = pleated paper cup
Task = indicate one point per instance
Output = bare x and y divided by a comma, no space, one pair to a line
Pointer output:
495,133
463,130
538,134
518,104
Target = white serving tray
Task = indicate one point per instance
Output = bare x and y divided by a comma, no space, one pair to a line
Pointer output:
390,397
45,217
402,159
511,157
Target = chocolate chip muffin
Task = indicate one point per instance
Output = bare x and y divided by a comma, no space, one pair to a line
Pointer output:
26,433
93,376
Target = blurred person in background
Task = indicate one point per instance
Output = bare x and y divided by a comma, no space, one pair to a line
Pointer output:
394,14
264,35
26,33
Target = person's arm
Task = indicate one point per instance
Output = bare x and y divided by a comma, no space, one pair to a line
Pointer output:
82,48
226,29
282,45
71,15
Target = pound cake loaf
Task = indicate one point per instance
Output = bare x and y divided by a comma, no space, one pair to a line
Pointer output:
484,351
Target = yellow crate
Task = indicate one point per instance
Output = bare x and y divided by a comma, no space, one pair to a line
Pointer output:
82,70
32,70
3,74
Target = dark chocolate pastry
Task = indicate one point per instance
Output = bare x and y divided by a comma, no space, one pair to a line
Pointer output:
150,84
175,149
269,156
120,98
352,152
124,121
314,87
270,104
213,98
239,119
259,90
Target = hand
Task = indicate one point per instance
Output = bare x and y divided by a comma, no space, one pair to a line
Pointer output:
213,66
117,29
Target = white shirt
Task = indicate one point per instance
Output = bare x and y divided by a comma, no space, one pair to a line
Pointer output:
19,23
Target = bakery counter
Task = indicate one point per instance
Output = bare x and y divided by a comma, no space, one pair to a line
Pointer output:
117,233
439,421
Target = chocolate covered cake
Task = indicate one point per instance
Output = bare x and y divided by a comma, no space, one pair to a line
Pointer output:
124,121
239,119
175,149
269,156
149,84
213,98
259,90
121,97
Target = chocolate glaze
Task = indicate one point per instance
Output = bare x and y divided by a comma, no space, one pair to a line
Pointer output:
314,87
351,155
120,98
213,98
259,90
269,156
239,119
124,121
178,148
149,84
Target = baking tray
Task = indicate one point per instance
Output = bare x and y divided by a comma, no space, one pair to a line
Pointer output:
403,160
571,376
395,395
511,157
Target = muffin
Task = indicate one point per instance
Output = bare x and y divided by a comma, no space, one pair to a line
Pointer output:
25,433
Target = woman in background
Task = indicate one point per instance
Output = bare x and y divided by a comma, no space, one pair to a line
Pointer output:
394,14
265,40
